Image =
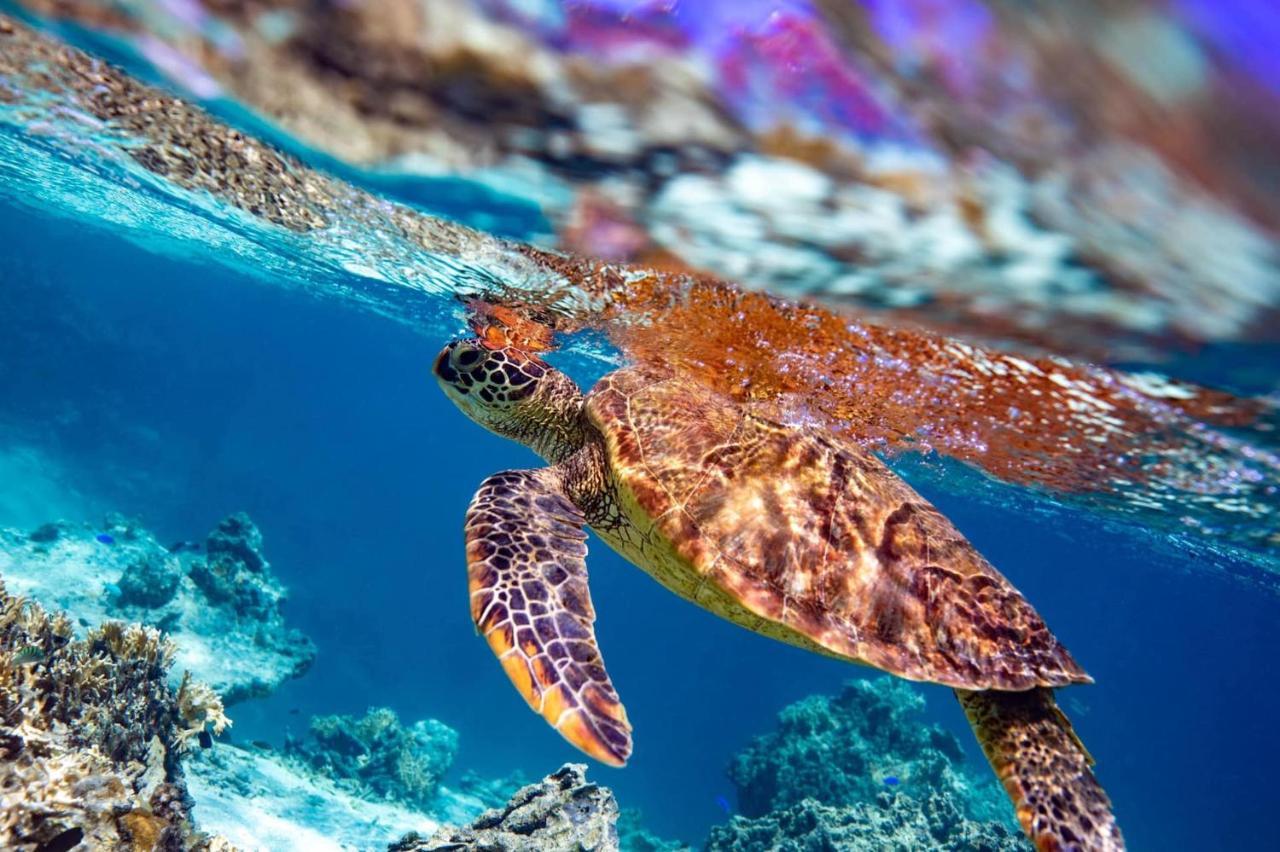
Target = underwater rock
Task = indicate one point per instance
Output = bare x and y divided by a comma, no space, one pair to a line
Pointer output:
150,582
222,608
562,813
236,572
90,732
851,765
378,756
893,822
238,540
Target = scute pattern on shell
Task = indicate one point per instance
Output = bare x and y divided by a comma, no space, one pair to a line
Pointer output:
821,537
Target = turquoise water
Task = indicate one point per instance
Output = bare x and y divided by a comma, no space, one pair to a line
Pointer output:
168,357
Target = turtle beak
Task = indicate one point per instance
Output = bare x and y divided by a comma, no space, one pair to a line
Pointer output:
459,358
442,368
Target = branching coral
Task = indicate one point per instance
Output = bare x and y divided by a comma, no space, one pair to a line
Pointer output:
378,755
200,709
88,734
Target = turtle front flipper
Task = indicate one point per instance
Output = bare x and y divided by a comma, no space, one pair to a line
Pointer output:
1044,768
526,560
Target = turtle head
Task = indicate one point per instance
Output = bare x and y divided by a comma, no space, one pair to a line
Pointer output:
515,394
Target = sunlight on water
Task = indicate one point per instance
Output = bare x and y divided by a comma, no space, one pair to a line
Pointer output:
338,242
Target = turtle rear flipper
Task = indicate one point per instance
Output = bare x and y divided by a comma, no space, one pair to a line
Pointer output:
1045,769
526,561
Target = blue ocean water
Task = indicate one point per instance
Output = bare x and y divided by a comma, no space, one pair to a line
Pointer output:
174,363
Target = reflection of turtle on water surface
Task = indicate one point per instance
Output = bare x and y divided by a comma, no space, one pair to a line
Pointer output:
785,531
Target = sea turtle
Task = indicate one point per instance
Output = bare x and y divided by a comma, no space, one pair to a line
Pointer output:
785,530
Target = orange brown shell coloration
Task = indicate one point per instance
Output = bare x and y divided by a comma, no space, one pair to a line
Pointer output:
819,542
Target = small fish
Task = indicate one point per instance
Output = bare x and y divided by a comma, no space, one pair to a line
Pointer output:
206,739
891,780
724,804
27,655
294,711
104,538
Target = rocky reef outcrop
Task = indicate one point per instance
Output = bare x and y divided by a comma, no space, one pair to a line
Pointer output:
379,757
862,771
218,599
90,732
842,749
894,822
563,812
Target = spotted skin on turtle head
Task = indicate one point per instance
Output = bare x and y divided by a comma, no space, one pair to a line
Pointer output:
526,563
513,393
496,377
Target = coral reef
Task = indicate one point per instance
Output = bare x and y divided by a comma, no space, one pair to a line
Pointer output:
841,771
379,756
90,731
492,792
893,822
234,570
562,813
150,582
839,749
222,607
